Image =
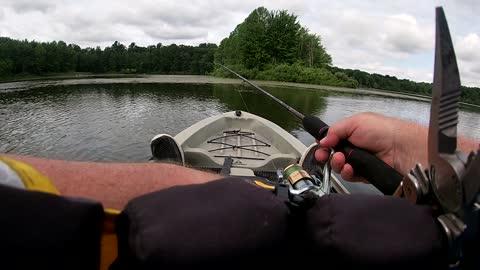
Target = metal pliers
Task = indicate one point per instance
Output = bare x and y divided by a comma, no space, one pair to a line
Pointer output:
451,183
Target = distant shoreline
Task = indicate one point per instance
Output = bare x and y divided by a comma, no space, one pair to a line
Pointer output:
78,79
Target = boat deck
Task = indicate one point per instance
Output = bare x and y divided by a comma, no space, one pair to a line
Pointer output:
247,149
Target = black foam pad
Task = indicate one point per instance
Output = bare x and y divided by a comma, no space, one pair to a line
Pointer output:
374,232
45,231
224,224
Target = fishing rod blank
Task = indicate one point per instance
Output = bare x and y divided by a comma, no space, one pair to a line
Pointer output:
365,164
283,104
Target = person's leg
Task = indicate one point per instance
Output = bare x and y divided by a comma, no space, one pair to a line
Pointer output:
113,184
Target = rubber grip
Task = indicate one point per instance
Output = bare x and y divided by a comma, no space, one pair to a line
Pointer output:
316,127
365,164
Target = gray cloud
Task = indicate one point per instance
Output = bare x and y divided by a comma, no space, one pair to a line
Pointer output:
167,32
385,39
404,35
76,19
470,76
23,6
165,22
468,54
201,16
476,69
468,48
358,39
400,43
96,35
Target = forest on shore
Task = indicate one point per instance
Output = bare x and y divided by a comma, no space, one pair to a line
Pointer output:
267,45
39,58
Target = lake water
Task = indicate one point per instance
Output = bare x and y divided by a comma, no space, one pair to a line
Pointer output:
115,122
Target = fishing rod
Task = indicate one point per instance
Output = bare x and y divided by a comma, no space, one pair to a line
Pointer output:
378,173
283,104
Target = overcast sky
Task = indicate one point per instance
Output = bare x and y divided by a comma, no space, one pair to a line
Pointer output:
387,37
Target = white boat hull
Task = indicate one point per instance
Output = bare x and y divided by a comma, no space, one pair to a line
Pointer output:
251,141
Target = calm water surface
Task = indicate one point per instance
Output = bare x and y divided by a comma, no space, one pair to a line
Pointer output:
115,122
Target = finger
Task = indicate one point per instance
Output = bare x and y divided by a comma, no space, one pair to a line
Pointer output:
330,140
337,162
348,174
339,131
322,154
344,129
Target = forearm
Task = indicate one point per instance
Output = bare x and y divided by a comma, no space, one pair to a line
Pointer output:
412,147
467,145
113,184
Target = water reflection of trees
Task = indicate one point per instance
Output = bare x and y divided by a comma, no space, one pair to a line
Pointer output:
227,96
305,101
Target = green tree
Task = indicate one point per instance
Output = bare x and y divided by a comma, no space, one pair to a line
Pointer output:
268,38
52,57
40,59
6,67
311,51
33,57
252,35
282,37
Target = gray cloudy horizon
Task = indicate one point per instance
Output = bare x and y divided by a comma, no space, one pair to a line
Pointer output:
386,37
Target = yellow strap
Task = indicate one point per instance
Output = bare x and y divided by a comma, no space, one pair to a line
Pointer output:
262,184
109,239
31,178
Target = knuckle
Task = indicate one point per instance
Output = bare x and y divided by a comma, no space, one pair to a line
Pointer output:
367,115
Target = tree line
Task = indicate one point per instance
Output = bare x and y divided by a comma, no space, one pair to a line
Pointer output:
267,45
392,83
38,58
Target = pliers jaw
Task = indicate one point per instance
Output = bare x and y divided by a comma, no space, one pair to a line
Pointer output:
451,184
448,167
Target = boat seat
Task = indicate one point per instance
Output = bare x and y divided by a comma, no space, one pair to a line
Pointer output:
242,172
198,157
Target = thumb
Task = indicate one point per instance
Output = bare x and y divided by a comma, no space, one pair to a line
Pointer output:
339,131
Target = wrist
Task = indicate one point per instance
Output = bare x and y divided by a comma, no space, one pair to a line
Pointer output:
467,145
411,147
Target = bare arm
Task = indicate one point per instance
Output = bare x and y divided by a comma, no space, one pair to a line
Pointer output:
113,184
413,145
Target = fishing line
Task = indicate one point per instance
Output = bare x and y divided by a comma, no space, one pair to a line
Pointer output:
244,103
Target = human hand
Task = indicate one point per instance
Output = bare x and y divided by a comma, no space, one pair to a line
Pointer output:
400,144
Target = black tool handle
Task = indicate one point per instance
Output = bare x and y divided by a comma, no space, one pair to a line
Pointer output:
365,164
